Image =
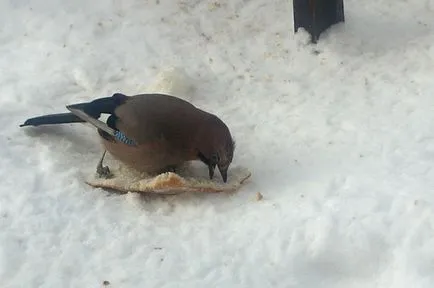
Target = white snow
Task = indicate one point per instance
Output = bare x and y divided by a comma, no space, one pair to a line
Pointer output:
339,138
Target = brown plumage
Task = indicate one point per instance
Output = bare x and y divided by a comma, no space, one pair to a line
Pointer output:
167,131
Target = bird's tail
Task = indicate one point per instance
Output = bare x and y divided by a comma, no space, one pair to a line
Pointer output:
88,112
59,118
94,109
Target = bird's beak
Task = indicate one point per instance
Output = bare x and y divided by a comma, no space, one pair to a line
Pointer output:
211,169
224,173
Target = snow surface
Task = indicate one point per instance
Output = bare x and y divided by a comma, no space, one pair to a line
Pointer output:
339,137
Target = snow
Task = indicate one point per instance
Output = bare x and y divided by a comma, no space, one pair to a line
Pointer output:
339,138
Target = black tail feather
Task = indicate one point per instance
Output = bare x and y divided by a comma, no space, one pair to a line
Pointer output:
95,108
59,118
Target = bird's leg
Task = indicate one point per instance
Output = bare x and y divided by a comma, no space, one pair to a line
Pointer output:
103,171
211,169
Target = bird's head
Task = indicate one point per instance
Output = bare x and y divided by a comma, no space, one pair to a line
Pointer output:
216,146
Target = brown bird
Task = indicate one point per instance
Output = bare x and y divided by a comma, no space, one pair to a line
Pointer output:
152,133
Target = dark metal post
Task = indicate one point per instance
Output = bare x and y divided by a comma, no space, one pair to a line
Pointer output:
316,16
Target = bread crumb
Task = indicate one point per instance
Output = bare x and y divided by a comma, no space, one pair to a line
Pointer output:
259,196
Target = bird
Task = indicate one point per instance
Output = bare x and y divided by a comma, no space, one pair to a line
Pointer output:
152,133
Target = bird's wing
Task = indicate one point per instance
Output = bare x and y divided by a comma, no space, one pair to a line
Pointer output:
101,125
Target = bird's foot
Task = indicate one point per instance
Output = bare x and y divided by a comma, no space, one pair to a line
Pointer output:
171,168
103,171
